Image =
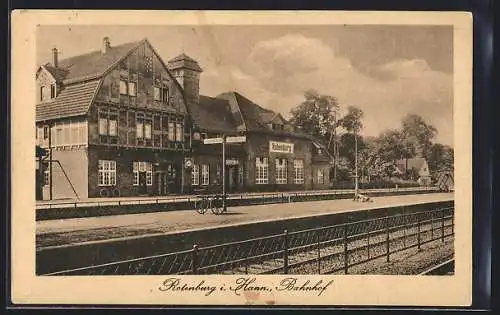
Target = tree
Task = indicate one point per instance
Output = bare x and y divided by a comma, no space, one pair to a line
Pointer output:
316,115
440,158
352,120
417,135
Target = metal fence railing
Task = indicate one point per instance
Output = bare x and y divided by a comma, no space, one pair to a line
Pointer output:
330,249
190,201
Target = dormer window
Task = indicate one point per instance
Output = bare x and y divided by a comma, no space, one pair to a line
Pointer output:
47,92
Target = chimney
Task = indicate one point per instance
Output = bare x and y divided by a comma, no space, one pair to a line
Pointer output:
105,45
54,57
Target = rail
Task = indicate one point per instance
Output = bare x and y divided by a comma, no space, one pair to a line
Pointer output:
323,250
191,200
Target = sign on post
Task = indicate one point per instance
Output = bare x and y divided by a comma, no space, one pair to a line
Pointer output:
236,139
213,140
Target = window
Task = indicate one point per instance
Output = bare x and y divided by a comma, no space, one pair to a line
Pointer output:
43,93
46,177
195,175
107,173
161,94
113,127
321,176
147,130
139,129
52,91
139,167
123,87
261,170
157,93
205,174
132,89
281,171
178,132
298,171
171,131
45,132
108,125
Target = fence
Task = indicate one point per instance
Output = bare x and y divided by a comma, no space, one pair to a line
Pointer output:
322,250
189,202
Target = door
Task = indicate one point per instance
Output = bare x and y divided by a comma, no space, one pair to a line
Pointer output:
173,179
162,183
142,183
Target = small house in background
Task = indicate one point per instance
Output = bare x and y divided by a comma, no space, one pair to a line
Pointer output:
417,169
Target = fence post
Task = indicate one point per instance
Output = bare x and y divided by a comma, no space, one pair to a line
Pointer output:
368,243
195,258
387,239
319,253
442,225
453,223
346,254
405,217
418,232
285,252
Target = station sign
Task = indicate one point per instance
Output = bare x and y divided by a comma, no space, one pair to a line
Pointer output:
232,162
280,147
236,139
213,140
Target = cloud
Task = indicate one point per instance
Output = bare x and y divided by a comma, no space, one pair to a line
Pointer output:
276,73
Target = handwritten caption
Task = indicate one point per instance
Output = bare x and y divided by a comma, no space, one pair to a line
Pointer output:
246,284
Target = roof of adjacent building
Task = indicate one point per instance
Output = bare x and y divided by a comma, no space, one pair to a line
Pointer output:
73,100
408,164
212,114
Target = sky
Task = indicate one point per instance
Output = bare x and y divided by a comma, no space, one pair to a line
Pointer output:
387,71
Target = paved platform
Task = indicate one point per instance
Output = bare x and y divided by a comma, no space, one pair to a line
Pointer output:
71,231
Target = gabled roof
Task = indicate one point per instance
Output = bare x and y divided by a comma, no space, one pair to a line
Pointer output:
256,117
212,114
73,100
81,76
94,64
408,164
58,73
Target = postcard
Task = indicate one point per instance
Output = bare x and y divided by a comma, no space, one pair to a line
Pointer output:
284,158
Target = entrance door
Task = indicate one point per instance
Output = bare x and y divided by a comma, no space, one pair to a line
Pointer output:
162,183
142,183
173,178
232,178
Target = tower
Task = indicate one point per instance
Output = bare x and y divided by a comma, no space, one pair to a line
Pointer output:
187,72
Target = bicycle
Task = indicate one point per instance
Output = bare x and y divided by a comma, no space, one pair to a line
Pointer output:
215,204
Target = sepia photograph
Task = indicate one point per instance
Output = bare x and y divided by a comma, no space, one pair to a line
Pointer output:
217,158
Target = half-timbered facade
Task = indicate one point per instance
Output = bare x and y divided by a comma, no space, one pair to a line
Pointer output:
115,122
120,122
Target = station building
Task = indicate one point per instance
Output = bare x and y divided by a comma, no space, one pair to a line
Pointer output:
120,121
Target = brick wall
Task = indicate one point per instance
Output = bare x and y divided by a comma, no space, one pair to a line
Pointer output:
258,146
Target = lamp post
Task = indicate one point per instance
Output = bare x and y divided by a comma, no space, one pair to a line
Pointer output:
356,188
224,206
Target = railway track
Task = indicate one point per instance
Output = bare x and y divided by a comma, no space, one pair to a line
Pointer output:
329,257
324,250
